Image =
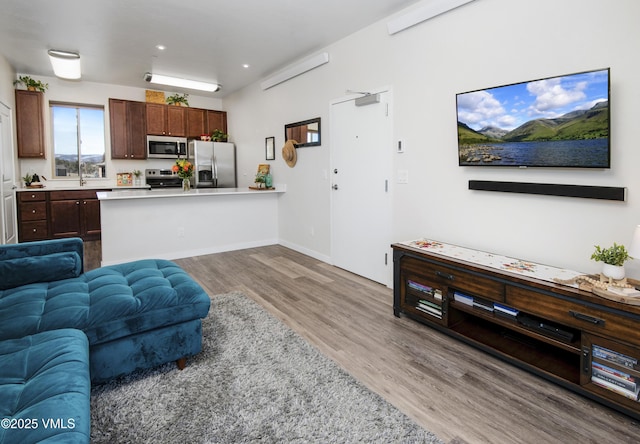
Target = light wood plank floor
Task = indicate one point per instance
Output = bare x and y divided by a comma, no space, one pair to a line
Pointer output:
460,393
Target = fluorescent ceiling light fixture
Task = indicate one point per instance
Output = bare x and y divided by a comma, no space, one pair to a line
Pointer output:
419,15
66,65
181,83
295,70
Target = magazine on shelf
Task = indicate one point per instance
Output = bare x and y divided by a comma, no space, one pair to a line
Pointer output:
430,310
463,298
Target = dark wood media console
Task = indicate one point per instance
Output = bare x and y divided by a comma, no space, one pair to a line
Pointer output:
586,343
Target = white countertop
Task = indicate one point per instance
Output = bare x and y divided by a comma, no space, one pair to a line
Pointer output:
177,192
84,187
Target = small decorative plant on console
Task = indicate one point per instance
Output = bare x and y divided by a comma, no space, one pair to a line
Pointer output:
31,84
178,99
613,258
184,169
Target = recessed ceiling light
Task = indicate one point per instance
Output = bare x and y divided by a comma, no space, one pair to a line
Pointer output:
161,47
246,65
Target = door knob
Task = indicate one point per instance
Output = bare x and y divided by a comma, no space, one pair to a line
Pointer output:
335,171
335,186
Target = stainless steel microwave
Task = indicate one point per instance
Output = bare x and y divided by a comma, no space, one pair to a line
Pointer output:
166,147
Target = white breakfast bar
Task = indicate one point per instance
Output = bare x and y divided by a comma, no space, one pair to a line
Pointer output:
171,223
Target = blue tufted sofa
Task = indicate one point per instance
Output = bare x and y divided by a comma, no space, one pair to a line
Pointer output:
132,316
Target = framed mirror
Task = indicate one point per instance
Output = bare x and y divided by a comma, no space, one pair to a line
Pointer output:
306,133
270,148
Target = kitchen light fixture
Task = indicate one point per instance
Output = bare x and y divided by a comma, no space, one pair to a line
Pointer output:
181,83
295,70
66,65
419,15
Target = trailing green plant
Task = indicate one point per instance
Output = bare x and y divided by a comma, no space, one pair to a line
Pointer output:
178,99
31,83
615,255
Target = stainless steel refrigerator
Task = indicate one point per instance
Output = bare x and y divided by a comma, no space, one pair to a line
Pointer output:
214,164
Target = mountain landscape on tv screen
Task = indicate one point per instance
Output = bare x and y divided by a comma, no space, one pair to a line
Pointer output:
585,124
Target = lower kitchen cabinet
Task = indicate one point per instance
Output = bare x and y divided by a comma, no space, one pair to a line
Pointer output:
59,214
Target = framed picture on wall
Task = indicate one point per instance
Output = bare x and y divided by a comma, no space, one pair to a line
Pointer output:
270,148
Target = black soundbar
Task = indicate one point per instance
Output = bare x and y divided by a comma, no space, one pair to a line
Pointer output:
551,189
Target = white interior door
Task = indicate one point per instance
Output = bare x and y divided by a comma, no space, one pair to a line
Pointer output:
7,170
361,144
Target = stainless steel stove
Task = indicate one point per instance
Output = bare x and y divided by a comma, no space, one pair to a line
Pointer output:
161,178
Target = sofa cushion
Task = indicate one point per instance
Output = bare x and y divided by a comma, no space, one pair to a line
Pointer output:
106,303
45,388
49,267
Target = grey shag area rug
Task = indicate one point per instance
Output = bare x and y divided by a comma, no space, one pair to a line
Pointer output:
254,381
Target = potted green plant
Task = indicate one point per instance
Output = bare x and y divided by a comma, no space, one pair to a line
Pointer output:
31,84
178,99
28,178
614,258
219,136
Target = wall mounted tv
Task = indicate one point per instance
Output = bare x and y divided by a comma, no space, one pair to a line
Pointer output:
558,121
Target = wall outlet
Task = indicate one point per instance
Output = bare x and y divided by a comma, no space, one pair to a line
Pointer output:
403,176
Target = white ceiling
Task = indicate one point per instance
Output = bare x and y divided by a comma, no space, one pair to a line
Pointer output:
206,40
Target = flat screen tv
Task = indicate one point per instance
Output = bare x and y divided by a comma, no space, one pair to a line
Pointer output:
558,121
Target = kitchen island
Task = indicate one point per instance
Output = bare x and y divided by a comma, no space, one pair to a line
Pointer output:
171,223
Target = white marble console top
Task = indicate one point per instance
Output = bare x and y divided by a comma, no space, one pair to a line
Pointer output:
504,263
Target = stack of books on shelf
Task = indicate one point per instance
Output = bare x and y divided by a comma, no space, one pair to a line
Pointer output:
434,292
463,298
617,381
504,310
483,304
430,308
615,357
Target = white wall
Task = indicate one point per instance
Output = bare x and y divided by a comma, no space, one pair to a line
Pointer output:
485,43
96,94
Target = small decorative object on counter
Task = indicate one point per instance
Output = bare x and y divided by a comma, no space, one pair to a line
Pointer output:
205,137
28,178
137,174
268,180
124,179
262,176
184,169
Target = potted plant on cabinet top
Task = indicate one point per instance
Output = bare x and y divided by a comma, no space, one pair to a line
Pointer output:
613,258
31,84
178,99
219,136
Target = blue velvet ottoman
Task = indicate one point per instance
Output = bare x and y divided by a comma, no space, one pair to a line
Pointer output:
45,388
136,315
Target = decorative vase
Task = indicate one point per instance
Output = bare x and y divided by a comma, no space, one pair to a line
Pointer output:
613,271
268,181
186,184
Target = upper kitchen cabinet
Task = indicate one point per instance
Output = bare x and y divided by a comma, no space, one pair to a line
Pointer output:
216,120
196,122
166,120
128,129
30,123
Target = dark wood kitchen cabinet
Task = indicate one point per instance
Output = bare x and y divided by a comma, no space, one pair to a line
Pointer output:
128,129
75,213
30,123
33,216
166,120
196,122
216,120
